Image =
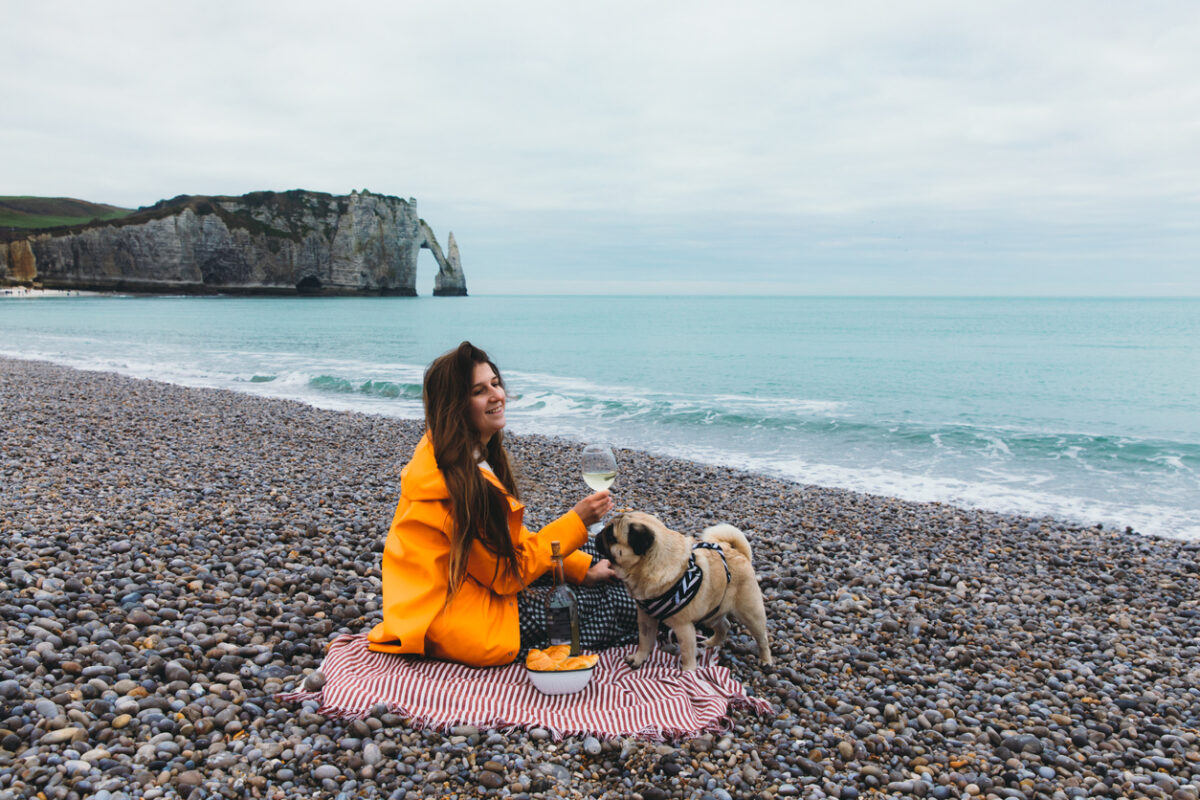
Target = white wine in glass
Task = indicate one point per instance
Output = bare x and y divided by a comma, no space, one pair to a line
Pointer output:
599,466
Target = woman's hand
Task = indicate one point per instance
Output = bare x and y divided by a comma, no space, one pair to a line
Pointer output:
599,572
593,507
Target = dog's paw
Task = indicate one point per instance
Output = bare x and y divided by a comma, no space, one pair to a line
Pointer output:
634,662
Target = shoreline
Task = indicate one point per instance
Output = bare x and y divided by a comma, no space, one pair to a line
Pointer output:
1083,512
25,292
177,556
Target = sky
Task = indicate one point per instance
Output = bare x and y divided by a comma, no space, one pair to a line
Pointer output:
860,148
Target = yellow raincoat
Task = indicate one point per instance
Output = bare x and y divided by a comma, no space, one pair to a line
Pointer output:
479,626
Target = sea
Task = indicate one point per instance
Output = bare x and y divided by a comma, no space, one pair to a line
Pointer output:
1086,410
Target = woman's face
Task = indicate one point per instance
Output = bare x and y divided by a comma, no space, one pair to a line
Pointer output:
487,402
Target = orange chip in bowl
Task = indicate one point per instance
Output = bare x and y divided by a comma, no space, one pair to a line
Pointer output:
558,652
578,662
537,660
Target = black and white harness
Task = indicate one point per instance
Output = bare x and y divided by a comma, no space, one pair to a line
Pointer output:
685,589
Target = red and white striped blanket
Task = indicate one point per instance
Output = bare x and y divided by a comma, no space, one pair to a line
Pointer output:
656,701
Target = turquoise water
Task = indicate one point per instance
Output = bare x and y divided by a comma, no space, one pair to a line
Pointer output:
1083,409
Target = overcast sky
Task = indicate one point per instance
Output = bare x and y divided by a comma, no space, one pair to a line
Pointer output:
789,147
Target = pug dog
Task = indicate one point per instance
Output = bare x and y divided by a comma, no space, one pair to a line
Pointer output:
681,582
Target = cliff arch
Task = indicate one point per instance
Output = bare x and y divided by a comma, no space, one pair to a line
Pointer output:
449,281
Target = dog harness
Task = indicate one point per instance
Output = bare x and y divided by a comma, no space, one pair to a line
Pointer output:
685,589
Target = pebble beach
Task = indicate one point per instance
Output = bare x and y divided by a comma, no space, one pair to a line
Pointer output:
177,557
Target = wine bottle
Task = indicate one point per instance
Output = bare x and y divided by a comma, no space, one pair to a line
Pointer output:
562,608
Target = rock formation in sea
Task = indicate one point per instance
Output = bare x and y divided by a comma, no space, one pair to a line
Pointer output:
294,242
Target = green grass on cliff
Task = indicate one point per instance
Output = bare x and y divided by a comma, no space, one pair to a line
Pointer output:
53,212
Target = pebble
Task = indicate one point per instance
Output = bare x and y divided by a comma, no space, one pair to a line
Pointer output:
222,760
491,779
139,617
63,735
174,671
1025,743
190,777
46,708
177,557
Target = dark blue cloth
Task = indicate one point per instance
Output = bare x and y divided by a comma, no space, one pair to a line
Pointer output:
607,614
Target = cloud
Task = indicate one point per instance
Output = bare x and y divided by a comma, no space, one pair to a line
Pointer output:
658,142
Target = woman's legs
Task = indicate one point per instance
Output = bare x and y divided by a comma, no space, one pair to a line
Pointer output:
607,614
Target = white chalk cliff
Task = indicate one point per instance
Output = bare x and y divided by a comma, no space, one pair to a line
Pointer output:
294,242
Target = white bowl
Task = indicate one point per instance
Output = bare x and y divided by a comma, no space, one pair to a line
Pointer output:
567,681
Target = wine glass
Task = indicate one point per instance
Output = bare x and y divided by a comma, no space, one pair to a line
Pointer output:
599,470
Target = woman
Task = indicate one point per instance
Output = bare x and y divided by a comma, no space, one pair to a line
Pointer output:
458,557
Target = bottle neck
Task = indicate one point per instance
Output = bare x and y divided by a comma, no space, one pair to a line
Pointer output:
556,564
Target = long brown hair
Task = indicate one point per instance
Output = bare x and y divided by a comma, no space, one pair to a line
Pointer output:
477,508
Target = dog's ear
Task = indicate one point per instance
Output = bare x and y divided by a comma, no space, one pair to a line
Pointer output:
604,540
640,538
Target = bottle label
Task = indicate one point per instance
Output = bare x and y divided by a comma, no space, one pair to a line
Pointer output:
558,625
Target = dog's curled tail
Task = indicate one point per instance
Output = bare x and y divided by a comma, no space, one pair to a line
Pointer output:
730,536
